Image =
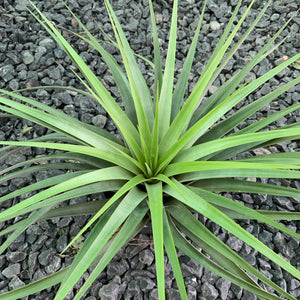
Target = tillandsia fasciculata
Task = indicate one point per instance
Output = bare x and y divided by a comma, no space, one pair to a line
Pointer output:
174,155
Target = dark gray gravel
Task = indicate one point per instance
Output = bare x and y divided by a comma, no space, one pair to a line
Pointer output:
28,58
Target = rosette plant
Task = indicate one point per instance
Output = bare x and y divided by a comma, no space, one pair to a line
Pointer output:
175,154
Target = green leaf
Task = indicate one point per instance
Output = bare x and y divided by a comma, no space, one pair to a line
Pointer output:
219,169
222,202
218,250
99,92
99,239
211,147
113,157
245,112
172,255
128,230
181,84
245,186
57,121
199,204
165,99
116,71
42,184
36,286
183,245
81,180
155,202
157,56
140,92
191,136
130,184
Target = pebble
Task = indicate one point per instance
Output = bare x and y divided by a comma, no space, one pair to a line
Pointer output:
16,256
54,265
223,287
208,291
146,257
47,43
27,57
214,25
46,256
99,121
146,284
133,290
7,72
109,291
234,243
15,283
117,268
12,270
248,296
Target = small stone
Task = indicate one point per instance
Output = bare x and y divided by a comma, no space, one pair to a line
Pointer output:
74,23
7,72
16,256
27,57
279,241
223,286
209,292
15,158
61,243
237,290
284,201
13,85
109,291
39,243
39,274
294,284
12,270
295,293
99,121
214,25
234,243
153,295
117,268
275,17
64,221
55,73
146,284
34,230
46,256
48,43
173,294
32,263
210,277
265,236
264,265
146,257
40,51
14,57
2,260
54,265
133,289
191,292
248,296
15,283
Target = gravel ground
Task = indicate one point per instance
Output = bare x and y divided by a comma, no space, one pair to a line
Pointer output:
28,58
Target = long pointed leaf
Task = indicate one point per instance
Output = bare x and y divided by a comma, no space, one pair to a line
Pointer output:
203,207
127,205
127,231
155,202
